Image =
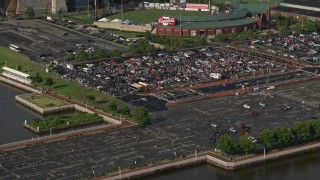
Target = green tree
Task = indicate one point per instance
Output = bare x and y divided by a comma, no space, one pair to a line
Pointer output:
70,57
125,110
113,106
141,116
246,144
100,54
315,128
297,27
82,55
225,143
49,81
270,33
266,138
116,53
29,12
282,135
233,36
221,37
90,97
37,78
301,131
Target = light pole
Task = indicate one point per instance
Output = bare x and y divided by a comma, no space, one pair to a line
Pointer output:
180,22
121,11
88,11
264,153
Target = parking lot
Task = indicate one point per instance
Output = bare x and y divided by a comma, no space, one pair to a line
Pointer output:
301,47
44,43
173,133
164,70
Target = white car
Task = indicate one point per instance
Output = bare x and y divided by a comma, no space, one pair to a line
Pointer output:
252,139
234,130
262,104
214,125
247,106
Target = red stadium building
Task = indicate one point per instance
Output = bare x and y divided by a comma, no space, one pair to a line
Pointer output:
208,26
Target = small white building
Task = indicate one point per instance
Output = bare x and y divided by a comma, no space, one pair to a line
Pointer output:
215,75
16,75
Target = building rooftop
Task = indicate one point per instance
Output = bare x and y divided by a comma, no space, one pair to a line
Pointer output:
310,3
215,24
297,11
16,72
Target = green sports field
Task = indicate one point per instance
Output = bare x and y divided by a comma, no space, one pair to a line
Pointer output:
147,16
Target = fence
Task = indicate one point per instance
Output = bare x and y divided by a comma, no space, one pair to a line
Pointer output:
56,136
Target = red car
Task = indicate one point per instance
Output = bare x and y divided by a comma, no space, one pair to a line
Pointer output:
244,132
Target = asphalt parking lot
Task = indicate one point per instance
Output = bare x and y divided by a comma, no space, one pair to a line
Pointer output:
173,133
43,42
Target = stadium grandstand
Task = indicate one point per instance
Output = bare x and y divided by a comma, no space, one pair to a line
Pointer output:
299,8
210,25
16,7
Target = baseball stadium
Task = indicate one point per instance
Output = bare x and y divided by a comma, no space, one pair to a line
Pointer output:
209,25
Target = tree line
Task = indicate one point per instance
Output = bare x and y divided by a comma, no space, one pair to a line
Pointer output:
277,137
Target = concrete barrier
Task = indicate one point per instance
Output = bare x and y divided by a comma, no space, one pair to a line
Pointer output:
19,85
124,27
44,111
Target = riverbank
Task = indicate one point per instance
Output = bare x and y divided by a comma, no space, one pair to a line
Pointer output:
211,158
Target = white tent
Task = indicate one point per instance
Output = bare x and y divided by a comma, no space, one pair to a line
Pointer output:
104,19
116,20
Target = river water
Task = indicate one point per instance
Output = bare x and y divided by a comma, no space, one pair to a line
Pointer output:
12,116
307,166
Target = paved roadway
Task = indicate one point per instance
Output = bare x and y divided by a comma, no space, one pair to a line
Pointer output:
174,132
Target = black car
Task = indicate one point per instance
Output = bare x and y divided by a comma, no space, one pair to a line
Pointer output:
286,107
245,127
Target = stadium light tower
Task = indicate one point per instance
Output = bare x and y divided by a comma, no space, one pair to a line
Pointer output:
121,11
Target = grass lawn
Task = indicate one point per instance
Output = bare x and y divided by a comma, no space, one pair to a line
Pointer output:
62,121
43,101
78,18
147,16
61,86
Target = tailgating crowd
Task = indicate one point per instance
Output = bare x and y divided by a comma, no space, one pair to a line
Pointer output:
165,70
302,47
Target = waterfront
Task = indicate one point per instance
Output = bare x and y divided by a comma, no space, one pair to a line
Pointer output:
305,166
13,115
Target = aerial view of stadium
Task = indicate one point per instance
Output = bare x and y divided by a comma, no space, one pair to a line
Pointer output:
159,89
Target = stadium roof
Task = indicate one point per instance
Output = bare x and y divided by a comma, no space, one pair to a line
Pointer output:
16,72
240,14
254,7
214,24
310,3
297,11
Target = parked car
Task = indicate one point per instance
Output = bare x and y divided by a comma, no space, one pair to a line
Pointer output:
234,130
214,125
246,106
286,107
262,104
244,132
252,139
245,127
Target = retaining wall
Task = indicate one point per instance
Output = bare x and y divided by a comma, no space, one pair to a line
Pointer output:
44,111
215,159
105,118
124,27
18,85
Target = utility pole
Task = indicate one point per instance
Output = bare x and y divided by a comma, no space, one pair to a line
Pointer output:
95,10
180,23
88,11
121,11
